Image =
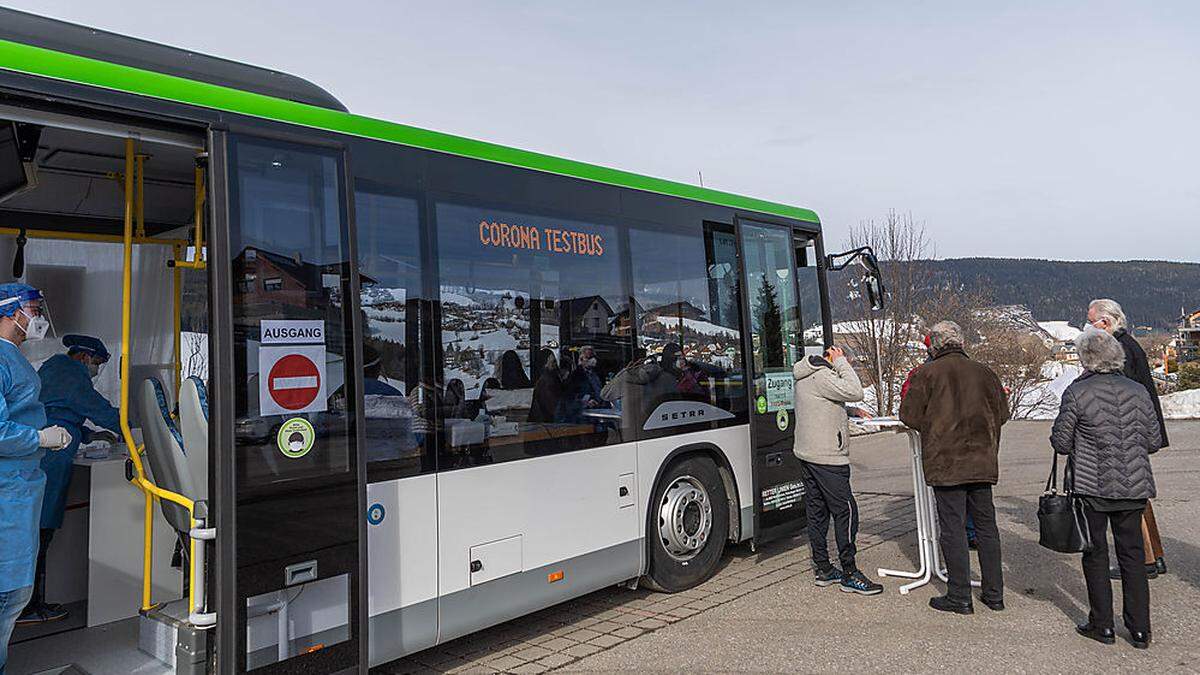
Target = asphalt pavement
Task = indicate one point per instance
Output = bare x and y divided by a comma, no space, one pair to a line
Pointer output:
793,626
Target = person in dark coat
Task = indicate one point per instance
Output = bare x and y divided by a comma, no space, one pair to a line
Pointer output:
1107,426
583,387
1108,316
958,405
512,373
972,542
548,391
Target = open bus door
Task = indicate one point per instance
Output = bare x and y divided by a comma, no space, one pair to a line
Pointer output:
786,319
291,564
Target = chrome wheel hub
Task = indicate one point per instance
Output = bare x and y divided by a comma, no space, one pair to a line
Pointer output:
685,518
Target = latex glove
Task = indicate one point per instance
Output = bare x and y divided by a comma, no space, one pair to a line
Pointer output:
106,436
54,438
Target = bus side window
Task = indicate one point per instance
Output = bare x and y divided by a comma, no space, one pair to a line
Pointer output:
534,324
689,323
396,420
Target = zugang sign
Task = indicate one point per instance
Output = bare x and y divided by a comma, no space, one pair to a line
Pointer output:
534,238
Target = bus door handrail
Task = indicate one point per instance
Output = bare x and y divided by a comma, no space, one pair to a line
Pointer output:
140,480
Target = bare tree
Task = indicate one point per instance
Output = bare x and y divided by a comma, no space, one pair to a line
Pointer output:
1017,358
888,343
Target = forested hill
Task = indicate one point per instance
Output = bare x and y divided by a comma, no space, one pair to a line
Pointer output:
1151,292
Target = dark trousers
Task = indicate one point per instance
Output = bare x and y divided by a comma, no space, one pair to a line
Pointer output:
954,504
1135,589
39,577
827,495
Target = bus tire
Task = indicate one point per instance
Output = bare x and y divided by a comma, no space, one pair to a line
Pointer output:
688,525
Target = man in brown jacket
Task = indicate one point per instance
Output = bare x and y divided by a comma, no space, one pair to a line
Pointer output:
958,406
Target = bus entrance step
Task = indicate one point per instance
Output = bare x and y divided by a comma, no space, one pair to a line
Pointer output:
165,634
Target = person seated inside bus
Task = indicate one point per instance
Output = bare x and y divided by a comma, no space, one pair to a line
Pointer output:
688,378
511,373
548,391
583,388
70,399
638,388
454,400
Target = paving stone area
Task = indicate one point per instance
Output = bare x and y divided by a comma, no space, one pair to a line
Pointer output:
560,635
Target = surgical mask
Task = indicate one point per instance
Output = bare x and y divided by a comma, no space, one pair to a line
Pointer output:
37,327
93,369
589,363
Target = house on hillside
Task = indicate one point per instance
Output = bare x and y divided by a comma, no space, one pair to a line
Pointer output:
588,315
1063,335
1187,339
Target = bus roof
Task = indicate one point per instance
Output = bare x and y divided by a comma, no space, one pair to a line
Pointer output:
70,38
59,65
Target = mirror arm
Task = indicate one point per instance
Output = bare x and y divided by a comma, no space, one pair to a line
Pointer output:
834,261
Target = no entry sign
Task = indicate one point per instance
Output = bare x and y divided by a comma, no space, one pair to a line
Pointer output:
291,376
294,382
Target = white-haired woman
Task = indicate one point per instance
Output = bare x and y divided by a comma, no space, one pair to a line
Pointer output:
1107,427
1107,315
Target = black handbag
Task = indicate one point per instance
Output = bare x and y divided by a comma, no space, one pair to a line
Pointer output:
1060,514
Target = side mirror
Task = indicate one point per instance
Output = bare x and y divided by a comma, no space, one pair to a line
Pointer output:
872,279
874,291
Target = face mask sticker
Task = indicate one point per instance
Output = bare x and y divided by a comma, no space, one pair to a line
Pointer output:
295,438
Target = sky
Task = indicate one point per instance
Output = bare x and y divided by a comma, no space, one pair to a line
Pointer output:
1063,130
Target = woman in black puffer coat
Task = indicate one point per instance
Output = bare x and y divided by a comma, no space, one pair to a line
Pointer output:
1108,427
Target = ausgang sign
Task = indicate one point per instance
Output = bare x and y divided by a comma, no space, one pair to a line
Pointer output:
275,332
291,367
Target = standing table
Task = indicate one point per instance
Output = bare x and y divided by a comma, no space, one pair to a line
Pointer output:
927,523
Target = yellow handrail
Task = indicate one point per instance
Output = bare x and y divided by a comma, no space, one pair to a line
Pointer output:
84,236
177,281
201,194
148,488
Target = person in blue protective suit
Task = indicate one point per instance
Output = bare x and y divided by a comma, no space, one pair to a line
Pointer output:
69,398
22,443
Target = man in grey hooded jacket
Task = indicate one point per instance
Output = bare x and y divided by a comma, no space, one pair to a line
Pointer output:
823,388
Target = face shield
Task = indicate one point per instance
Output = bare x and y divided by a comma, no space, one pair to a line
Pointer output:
32,314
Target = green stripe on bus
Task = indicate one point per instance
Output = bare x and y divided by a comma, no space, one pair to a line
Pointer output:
32,60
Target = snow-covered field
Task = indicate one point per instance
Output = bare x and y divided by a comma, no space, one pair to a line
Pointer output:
1062,331
701,327
1182,405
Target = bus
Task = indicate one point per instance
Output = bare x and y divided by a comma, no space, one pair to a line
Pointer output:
380,387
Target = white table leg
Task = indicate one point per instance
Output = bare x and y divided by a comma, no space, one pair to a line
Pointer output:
924,549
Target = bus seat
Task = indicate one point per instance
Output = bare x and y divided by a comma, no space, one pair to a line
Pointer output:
165,452
193,425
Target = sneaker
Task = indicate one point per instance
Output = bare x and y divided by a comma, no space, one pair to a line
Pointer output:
857,582
828,577
41,613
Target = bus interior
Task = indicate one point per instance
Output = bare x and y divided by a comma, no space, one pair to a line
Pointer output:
108,223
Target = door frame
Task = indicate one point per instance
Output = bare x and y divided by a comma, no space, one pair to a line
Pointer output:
222,444
759,536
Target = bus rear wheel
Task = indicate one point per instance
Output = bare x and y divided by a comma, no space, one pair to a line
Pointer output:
688,525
